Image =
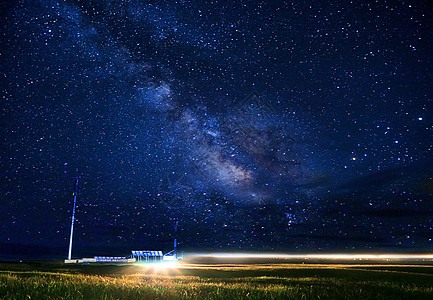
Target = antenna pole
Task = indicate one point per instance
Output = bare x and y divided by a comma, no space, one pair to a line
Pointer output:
176,221
75,193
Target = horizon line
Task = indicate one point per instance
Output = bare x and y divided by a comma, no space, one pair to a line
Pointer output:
310,255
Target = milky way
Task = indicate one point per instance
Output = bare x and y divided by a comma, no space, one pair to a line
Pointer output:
294,126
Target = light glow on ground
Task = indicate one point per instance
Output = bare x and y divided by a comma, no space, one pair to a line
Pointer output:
158,265
156,268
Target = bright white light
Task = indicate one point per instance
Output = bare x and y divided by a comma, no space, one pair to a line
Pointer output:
159,265
169,258
316,256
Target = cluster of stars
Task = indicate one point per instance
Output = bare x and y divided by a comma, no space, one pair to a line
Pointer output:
280,125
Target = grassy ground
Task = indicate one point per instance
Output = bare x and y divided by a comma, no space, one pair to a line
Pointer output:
200,281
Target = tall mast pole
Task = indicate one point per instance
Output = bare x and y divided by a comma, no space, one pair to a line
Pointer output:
75,193
176,221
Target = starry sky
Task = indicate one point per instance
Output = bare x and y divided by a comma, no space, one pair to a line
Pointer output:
299,126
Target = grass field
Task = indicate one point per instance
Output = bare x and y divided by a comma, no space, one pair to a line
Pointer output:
206,281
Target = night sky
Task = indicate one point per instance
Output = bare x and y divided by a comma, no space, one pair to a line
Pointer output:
263,126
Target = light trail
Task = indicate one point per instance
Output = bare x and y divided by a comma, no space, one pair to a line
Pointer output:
312,256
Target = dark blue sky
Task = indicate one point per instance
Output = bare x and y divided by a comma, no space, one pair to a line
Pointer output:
261,126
